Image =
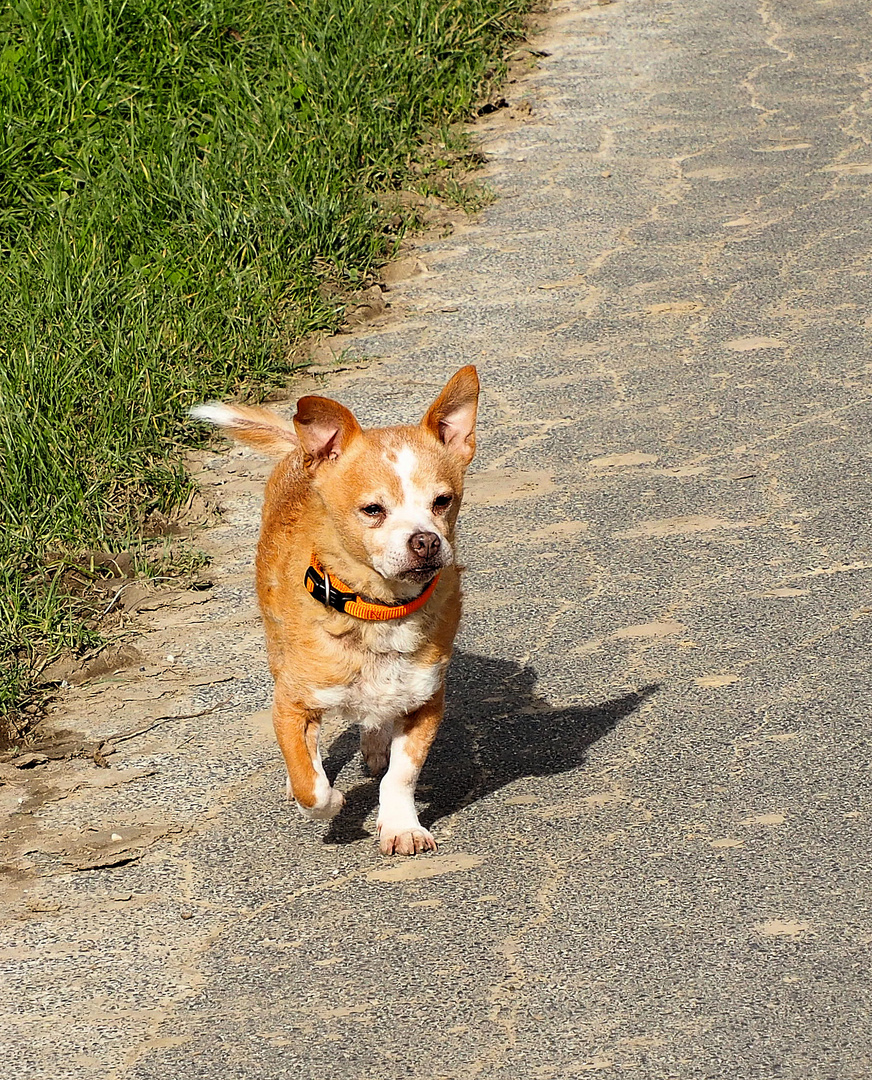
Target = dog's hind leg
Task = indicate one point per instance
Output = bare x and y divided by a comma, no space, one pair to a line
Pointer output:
375,745
298,732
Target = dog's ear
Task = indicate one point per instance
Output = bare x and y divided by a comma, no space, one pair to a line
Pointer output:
325,428
451,417
261,429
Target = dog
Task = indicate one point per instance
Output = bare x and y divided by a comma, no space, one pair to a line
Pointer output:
359,587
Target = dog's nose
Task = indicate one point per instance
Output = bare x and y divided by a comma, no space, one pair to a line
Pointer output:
424,544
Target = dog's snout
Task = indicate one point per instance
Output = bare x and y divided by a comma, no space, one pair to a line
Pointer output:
424,544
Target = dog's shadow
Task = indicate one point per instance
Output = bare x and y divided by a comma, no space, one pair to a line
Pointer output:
496,730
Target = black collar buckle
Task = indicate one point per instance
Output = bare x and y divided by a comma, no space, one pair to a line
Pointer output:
325,592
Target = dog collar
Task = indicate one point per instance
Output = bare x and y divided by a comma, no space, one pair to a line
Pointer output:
331,592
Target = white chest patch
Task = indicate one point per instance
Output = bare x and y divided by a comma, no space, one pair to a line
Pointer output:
389,683
388,686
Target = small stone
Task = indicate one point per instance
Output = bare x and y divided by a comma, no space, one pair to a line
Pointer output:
29,761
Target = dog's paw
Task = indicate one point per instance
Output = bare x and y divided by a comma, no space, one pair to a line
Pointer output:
325,808
405,841
375,745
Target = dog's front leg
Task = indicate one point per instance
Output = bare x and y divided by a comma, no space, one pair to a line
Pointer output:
298,731
400,832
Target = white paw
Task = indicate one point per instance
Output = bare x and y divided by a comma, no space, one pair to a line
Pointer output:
411,841
325,808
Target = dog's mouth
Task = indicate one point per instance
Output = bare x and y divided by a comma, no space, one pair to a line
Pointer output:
419,573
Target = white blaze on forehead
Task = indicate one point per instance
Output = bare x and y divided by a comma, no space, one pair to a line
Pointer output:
405,463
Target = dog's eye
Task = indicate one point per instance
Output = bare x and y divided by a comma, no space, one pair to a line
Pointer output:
373,510
441,503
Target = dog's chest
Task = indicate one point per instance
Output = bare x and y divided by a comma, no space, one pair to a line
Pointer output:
388,681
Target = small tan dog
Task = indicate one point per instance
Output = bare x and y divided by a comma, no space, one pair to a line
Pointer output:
358,587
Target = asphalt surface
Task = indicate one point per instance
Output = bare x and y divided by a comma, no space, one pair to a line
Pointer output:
651,792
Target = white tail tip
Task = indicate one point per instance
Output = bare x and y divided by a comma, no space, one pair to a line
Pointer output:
214,413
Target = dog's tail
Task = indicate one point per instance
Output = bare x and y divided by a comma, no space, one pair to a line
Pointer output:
261,429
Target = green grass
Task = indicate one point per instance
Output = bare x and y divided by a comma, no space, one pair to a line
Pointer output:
177,178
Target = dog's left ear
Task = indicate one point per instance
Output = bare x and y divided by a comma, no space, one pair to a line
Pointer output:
451,417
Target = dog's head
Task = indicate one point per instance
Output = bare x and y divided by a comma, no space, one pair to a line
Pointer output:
393,494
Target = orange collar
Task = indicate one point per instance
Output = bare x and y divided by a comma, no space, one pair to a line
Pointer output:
333,593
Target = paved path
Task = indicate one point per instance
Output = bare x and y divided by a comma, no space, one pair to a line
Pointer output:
651,794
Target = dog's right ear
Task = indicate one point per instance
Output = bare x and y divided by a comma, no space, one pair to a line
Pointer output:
261,429
324,428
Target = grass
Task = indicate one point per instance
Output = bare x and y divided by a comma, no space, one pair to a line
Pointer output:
177,179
